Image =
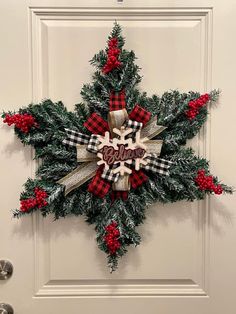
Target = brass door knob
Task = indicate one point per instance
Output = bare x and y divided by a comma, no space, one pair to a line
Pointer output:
6,309
6,270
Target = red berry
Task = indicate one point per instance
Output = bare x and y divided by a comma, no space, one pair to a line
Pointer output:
218,189
111,238
24,122
207,182
39,200
113,53
195,105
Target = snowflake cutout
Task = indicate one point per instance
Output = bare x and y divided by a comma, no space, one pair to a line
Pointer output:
110,149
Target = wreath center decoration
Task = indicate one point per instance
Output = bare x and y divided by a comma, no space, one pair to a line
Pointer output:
117,153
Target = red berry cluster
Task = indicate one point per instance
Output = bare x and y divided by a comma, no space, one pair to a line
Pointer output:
195,105
111,238
38,200
206,182
24,122
113,53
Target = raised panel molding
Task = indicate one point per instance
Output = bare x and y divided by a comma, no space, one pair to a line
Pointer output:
45,286
130,288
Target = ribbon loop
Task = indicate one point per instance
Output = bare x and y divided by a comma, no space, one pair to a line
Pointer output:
123,183
96,124
137,178
98,186
139,114
134,125
117,100
116,119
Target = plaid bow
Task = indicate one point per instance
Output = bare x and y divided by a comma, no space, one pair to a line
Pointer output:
157,165
74,138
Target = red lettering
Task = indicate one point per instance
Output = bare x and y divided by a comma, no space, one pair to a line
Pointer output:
111,155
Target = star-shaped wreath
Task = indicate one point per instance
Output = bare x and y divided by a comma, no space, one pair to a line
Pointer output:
117,153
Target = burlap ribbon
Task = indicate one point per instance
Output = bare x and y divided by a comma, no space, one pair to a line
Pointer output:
78,176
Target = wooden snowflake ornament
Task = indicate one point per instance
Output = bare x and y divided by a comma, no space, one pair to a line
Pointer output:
122,151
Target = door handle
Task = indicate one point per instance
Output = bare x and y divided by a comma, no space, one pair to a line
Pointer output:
6,309
6,270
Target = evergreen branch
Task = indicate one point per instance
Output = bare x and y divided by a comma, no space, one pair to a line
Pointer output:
54,172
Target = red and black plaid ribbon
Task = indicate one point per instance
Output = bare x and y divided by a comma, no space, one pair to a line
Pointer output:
119,194
139,114
96,125
117,100
98,186
137,178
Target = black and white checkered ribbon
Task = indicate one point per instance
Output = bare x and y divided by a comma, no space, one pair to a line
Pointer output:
134,125
157,164
74,138
93,144
154,164
109,175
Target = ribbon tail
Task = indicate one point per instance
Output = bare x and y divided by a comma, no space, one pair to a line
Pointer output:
158,165
151,129
83,155
74,138
154,147
78,176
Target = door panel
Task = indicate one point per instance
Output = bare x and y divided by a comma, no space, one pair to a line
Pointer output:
178,266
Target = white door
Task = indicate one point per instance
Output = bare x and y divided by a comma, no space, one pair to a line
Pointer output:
186,262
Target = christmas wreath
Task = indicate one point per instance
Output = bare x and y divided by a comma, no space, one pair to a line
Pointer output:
118,152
